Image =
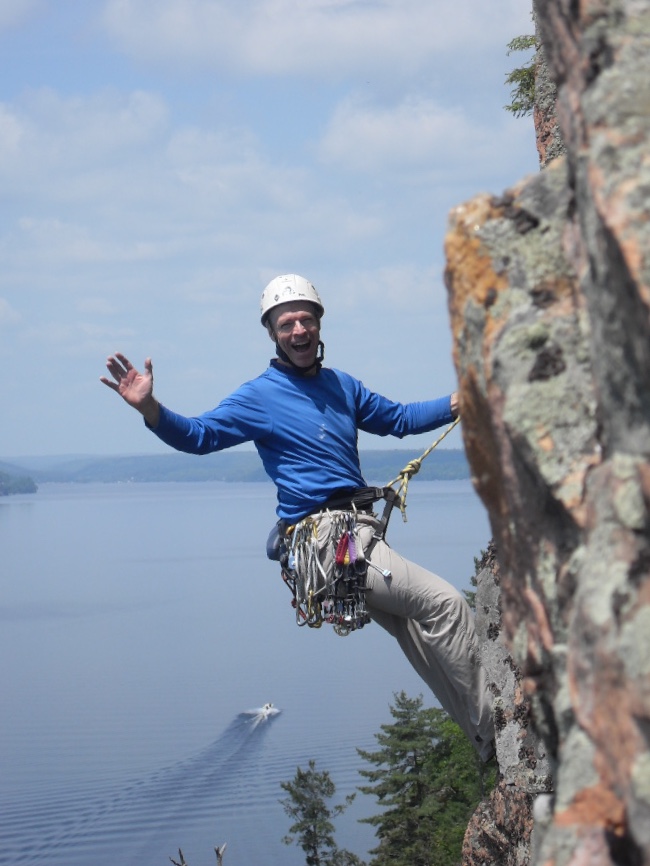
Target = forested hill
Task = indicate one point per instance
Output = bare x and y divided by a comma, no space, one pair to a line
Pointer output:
12,483
379,467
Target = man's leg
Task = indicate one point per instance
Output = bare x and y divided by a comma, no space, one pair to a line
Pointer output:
435,628
432,623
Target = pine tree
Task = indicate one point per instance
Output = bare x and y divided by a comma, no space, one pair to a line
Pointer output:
522,79
312,818
428,781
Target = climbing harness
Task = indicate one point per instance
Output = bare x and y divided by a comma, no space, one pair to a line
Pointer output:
337,595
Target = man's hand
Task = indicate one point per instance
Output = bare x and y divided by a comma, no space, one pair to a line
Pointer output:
454,404
133,387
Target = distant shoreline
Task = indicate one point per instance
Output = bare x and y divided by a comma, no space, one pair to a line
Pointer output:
230,466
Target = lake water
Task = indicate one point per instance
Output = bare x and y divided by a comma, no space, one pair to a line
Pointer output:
141,626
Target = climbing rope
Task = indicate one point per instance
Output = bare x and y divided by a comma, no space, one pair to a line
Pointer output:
413,467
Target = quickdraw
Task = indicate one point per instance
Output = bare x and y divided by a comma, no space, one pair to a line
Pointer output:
338,598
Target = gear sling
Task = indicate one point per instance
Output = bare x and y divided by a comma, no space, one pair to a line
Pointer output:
337,597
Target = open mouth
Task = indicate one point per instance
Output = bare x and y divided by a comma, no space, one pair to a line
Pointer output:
302,347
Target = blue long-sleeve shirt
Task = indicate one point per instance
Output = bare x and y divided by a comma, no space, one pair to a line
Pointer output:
305,429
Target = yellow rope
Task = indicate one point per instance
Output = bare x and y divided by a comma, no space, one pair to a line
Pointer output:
413,467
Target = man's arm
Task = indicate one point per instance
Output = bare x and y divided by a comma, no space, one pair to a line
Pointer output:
239,418
379,415
134,388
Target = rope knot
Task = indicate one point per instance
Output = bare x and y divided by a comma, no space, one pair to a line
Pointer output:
413,467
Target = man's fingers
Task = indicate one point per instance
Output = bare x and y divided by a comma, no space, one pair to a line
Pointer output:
124,373
116,370
109,383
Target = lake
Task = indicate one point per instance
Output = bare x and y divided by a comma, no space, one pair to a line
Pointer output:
142,626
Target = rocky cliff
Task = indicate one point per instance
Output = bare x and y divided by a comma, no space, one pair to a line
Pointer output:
549,298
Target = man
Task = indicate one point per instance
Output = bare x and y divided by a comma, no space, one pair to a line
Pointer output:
304,420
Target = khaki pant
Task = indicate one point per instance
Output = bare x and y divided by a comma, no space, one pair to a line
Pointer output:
432,623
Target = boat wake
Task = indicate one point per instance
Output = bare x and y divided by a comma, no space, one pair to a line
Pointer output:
148,817
261,714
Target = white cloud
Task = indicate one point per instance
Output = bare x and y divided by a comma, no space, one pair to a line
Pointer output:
8,316
327,38
109,178
417,137
69,166
97,306
74,339
61,242
115,145
415,133
80,130
11,134
398,286
14,12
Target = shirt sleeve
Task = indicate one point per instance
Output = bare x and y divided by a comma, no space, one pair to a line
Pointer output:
235,420
384,417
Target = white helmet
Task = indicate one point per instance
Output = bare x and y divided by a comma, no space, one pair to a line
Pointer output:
286,288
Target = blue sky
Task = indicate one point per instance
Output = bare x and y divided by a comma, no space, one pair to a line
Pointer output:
161,160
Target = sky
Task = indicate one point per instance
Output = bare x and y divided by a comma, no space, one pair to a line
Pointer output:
162,160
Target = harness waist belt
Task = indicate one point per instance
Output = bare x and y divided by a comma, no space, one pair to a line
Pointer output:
361,498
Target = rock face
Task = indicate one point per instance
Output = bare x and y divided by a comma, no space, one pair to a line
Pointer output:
521,755
548,137
549,298
547,132
501,829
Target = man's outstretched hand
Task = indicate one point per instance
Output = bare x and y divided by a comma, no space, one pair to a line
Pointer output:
134,388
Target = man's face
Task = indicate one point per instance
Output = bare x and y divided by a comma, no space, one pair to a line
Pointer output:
296,327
